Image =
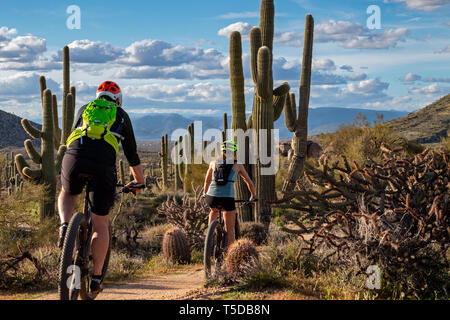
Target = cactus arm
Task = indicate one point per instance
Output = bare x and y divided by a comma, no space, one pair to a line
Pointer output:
59,158
290,113
42,86
255,44
263,83
32,174
32,153
21,164
250,122
32,131
237,82
278,105
56,131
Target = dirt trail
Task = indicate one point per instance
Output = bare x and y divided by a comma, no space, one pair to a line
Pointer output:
164,287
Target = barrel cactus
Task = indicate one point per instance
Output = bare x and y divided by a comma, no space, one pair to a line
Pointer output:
241,257
175,246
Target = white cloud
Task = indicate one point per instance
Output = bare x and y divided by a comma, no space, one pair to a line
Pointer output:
323,64
346,67
21,49
422,5
356,77
348,35
411,78
23,84
86,51
431,90
6,33
367,87
243,28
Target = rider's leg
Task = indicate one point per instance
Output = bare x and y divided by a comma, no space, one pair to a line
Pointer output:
230,221
66,205
100,241
213,215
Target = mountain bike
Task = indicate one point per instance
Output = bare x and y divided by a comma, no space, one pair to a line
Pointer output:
216,243
76,256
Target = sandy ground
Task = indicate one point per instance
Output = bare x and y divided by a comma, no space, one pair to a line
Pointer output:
165,287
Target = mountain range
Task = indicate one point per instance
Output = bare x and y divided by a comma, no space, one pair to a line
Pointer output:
426,125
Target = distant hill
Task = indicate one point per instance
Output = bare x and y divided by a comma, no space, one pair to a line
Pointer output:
426,125
12,133
153,126
321,120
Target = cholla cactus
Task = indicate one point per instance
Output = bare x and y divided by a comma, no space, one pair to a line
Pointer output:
175,247
189,215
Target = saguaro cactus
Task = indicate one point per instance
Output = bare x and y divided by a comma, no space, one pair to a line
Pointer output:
122,176
46,174
68,103
178,183
164,160
299,124
188,153
267,106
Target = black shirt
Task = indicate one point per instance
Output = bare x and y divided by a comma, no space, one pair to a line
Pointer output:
102,151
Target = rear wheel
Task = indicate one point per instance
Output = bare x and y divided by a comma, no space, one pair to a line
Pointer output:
69,268
212,252
86,280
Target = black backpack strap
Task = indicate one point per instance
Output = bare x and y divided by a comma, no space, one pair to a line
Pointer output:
117,126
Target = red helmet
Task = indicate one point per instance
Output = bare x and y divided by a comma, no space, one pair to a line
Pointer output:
111,90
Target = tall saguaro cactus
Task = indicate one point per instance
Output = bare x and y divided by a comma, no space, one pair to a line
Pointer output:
46,174
68,102
164,160
299,124
188,153
267,105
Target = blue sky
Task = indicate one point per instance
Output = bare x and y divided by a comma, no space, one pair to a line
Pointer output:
172,56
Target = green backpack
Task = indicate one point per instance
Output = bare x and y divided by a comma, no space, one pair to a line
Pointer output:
98,118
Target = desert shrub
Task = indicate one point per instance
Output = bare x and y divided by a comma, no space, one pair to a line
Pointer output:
152,237
122,266
28,253
254,231
130,217
360,141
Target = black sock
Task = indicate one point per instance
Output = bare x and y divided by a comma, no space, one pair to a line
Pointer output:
97,278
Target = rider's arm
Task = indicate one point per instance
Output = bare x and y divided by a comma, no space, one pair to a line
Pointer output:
208,179
243,173
129,143
130,150
138,173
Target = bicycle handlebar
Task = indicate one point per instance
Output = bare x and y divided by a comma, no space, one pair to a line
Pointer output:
130,188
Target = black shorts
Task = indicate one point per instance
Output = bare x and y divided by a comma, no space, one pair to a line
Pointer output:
226,204
102,189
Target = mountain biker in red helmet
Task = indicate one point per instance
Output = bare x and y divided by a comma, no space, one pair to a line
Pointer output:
94,154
